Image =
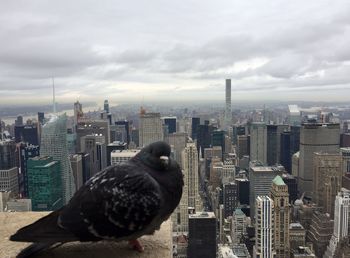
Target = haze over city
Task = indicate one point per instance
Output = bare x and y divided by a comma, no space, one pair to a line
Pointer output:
174,51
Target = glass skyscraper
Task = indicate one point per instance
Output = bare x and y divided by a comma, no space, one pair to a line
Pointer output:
54,144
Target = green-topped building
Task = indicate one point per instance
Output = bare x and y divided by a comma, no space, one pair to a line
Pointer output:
44,184
280,197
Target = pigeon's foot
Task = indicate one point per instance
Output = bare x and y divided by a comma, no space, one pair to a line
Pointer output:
136,245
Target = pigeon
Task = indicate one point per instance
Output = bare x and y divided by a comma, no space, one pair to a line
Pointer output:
121,202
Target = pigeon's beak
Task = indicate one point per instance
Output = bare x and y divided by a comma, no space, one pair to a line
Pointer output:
164,160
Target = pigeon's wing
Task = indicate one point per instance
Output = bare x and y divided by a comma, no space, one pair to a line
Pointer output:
116,203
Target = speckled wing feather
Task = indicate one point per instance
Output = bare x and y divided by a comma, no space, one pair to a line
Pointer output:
114,204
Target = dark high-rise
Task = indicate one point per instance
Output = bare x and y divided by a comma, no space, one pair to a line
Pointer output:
243,190
292,184
230,198
271,144
290,141
274,143
126,125
27,133
237,131
106,106
41,117
202,235
218,139
195,125
204,136
7,154
285,151
171,123
25,152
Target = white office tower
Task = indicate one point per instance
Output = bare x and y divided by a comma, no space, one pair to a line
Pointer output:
264,243
190,168
258,142
54,144
341,222
228,112
151,129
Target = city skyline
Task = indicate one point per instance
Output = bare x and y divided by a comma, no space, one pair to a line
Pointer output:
271,51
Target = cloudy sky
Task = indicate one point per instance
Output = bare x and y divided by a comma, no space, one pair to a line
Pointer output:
140,50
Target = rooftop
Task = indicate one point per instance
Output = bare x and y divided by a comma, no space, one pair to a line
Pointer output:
204,215
278,181
156,246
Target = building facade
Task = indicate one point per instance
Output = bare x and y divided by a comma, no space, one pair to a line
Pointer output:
151,129
202,235
54,144
258,142
264,228
315,137
45,184
280,197
327,179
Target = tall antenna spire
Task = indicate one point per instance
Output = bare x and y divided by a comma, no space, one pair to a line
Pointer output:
53,95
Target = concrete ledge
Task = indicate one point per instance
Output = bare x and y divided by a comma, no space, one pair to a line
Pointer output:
158,245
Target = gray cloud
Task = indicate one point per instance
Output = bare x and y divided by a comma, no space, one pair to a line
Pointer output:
184,47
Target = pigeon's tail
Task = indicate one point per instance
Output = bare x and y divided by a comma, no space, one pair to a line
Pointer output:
33,249
44,230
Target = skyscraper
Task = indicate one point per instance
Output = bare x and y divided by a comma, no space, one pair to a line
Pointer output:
78,112
228,112
230,198
94,145
177,141
274,143
218,139
280,197
320,232
258,142
315,137
7,154
25,152
260,183
345,152
9,180
190,168
327,179
170,121
27,133
8,168
126,125
194,125
151,129
44,183
54,144
204,136
202,235
289,144
89,127
239,224
264,228
243,145
341,221
76,162
106,106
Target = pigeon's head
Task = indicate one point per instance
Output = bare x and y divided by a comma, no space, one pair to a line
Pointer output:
156,155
